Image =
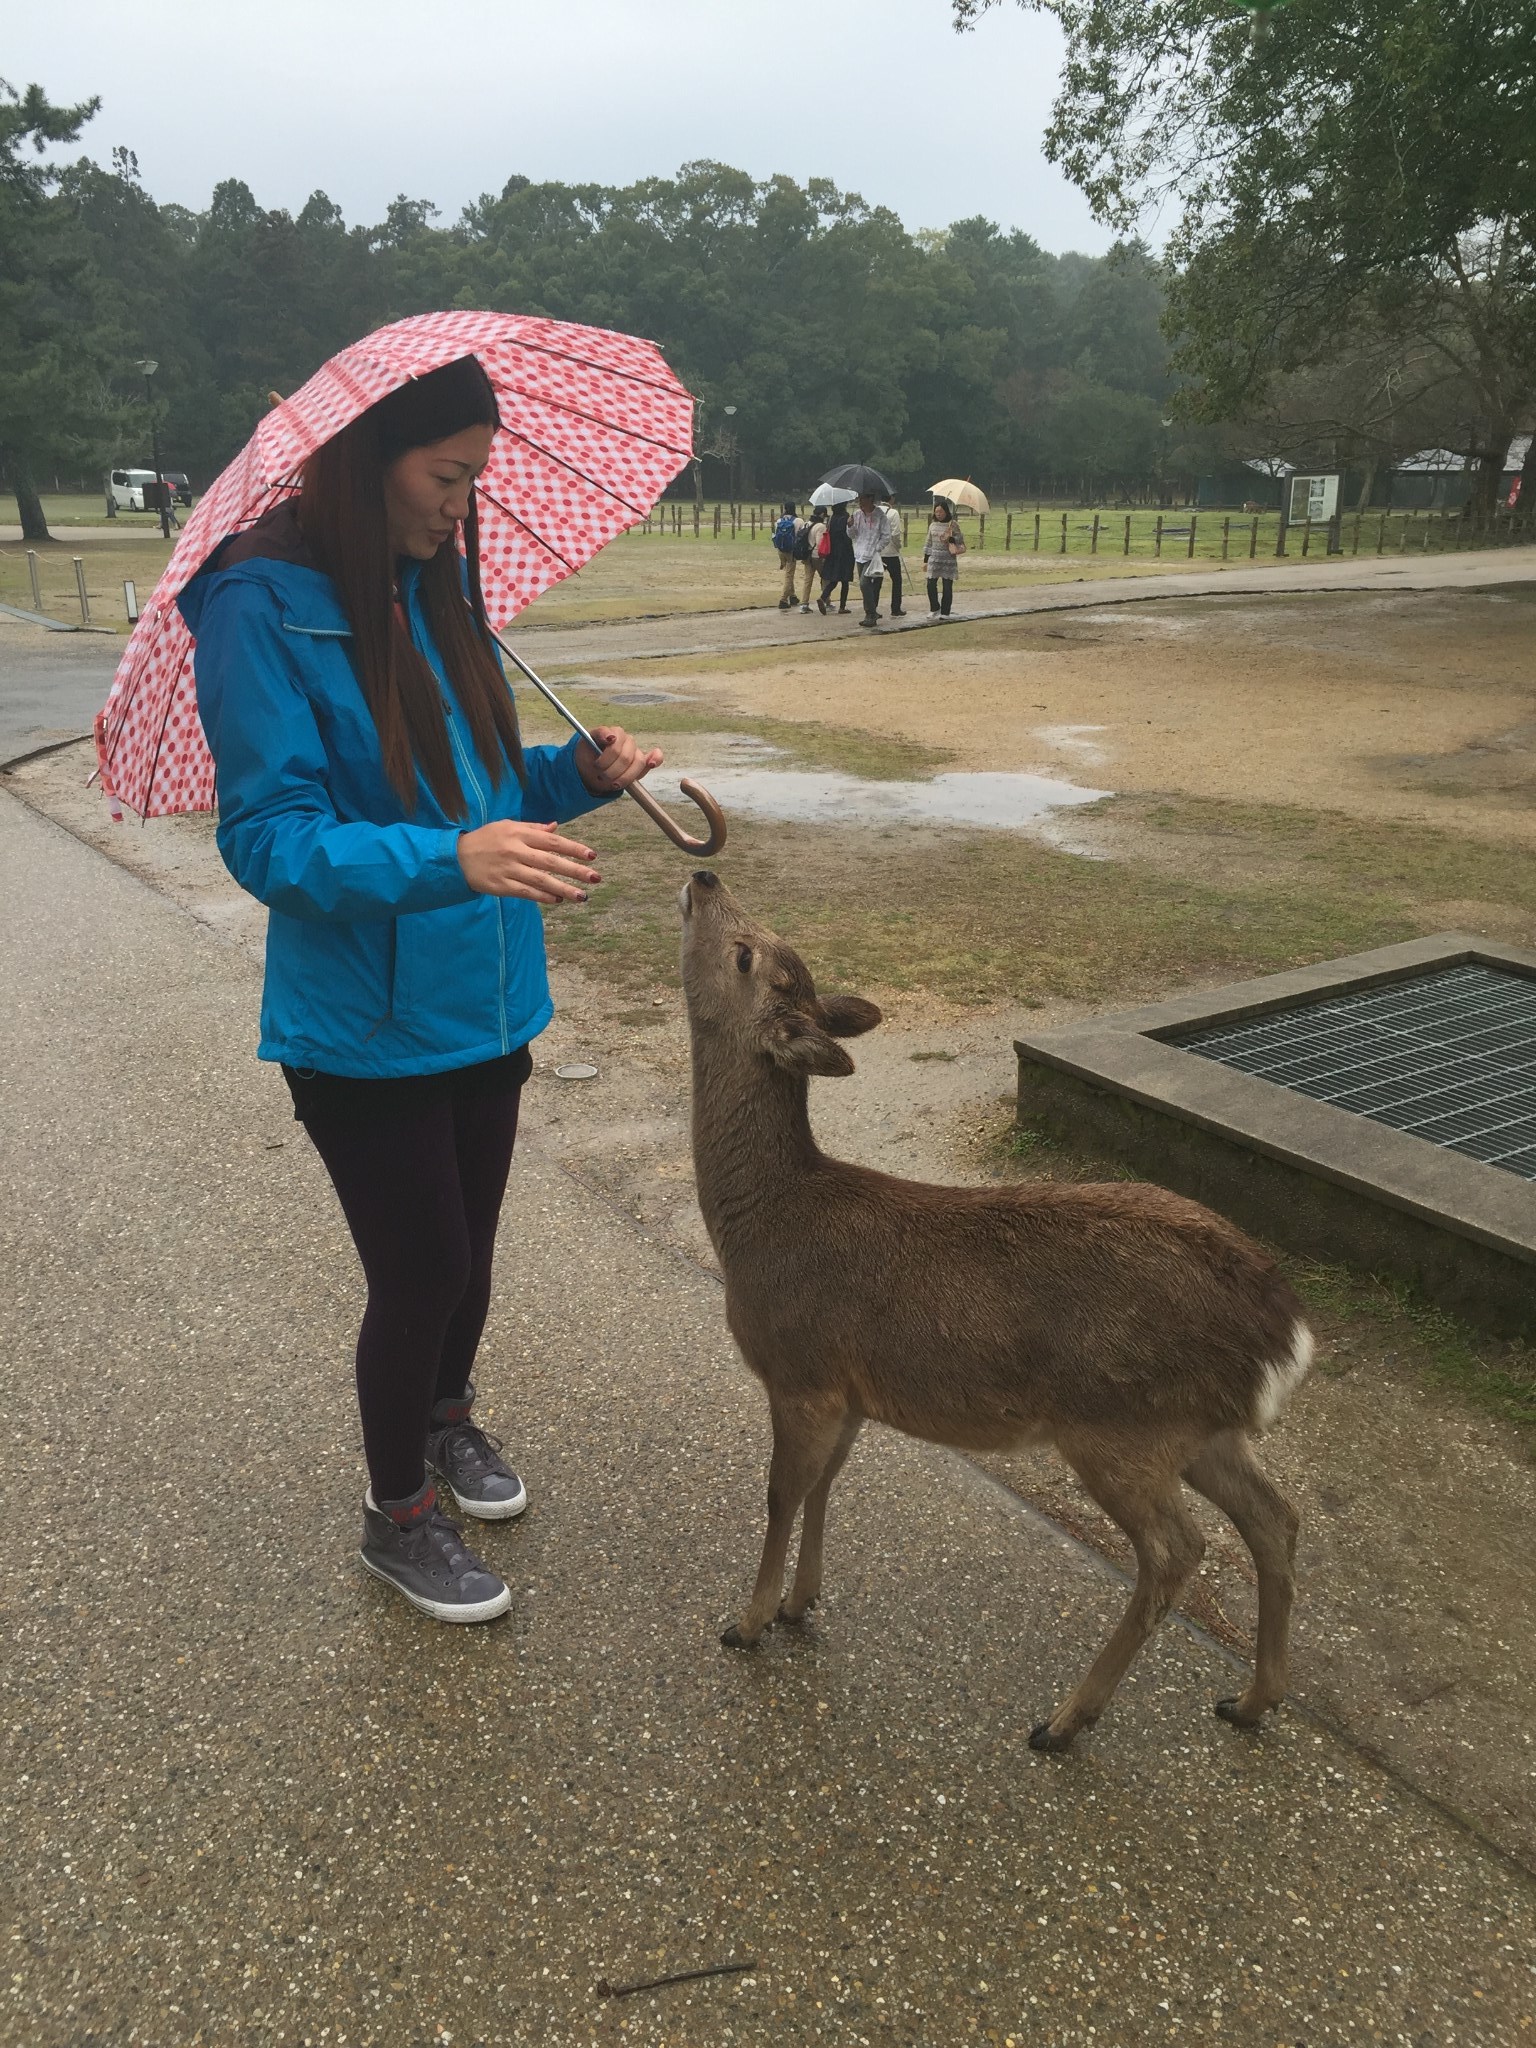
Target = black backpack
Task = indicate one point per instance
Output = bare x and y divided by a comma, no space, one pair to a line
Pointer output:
803,542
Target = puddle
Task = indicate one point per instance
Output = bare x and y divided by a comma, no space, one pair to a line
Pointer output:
646,697
829,797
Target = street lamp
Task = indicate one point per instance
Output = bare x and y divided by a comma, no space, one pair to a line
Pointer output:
149,366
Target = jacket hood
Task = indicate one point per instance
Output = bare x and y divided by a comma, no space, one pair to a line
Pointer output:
274,554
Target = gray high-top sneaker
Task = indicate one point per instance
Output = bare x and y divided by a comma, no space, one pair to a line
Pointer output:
417,1550
470,1464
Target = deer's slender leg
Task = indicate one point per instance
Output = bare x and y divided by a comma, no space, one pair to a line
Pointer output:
803,1440
802,1595
1146,1504
1228,1474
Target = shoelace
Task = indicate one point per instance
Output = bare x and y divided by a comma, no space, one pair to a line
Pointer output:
438,1534
471,1445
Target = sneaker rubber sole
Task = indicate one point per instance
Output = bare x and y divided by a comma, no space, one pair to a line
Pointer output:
442,1610
485,1510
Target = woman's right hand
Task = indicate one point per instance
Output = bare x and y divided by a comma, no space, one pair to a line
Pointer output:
510,857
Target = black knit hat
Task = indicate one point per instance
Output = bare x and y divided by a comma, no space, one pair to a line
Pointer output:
433,407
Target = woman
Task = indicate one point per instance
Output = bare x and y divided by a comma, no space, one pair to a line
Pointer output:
837,564
941,552
375,795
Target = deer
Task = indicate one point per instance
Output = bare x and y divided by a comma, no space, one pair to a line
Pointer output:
1140,1334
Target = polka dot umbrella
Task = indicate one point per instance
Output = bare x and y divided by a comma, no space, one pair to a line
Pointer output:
594,427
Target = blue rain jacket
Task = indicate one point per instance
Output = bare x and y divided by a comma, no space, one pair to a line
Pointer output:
381,960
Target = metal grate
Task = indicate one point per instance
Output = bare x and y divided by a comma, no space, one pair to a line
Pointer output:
1449,1056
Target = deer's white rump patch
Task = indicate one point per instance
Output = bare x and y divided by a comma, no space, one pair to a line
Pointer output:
1282,1377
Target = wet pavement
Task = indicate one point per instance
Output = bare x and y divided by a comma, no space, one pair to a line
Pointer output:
766,626
248,1797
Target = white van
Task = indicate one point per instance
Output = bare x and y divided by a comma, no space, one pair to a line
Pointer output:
126,492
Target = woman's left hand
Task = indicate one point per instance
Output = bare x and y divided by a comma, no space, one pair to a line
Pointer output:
621,762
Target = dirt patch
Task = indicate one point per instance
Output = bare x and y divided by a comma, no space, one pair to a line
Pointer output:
1392,707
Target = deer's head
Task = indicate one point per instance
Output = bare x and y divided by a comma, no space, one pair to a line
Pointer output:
745,987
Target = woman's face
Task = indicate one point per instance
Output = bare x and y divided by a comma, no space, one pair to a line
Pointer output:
426,490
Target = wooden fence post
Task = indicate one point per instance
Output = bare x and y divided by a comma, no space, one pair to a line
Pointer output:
1008,535
1253,539
1157,538
1190,551
1381,533
1306,535
1356,548
1093,542
1063,548
981,531
1127,548
85,602
1226,534
1037,531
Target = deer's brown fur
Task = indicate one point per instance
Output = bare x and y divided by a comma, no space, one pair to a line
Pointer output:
1139,1333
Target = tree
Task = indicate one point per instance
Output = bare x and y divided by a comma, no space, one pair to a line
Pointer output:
57,344
1372,162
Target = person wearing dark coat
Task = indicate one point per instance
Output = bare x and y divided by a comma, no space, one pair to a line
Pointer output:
837,566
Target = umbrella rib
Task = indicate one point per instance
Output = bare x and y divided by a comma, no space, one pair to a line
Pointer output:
566,355
130,692
593,418
532,532
571,469
149,781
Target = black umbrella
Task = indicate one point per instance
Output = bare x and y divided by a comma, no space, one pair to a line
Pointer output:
859,478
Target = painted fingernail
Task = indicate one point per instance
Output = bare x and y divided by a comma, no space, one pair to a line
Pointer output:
581,895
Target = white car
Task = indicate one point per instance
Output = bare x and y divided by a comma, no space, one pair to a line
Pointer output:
126,490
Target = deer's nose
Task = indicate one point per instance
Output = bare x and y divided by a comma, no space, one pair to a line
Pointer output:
706,879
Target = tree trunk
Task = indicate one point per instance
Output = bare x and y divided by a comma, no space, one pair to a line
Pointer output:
33,525
1483,498
698,483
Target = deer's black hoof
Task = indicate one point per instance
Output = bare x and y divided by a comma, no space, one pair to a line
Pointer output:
1042,1738
1228,1709
796,1620
733,1639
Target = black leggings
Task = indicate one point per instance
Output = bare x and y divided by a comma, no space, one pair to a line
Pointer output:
948,583
422,1193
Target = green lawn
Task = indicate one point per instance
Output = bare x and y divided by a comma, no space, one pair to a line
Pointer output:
650,572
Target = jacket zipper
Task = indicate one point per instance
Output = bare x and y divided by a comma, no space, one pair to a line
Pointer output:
482,803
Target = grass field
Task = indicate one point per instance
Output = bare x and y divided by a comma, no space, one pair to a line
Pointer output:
647,571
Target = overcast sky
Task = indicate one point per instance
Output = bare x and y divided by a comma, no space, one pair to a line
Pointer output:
443,100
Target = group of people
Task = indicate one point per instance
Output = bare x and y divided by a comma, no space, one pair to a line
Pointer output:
863,540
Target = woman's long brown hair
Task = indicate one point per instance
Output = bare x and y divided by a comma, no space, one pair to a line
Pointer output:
341,513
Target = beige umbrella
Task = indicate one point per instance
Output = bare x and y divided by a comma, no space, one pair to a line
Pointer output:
961,494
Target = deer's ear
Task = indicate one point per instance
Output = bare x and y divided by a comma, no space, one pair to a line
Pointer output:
800,1045
846,1016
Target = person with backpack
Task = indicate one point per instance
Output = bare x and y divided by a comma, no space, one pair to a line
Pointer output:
808,556
786,532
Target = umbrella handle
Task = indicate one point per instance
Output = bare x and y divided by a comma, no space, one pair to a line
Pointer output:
714,817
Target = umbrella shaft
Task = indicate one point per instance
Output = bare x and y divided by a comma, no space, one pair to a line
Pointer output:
546,692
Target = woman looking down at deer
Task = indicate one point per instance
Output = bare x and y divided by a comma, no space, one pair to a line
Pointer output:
375,795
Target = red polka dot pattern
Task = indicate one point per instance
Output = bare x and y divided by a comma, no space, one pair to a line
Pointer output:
594,427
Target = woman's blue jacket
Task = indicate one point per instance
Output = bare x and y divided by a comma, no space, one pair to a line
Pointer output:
381,960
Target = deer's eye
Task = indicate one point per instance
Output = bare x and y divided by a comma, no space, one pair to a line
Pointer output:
743,959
